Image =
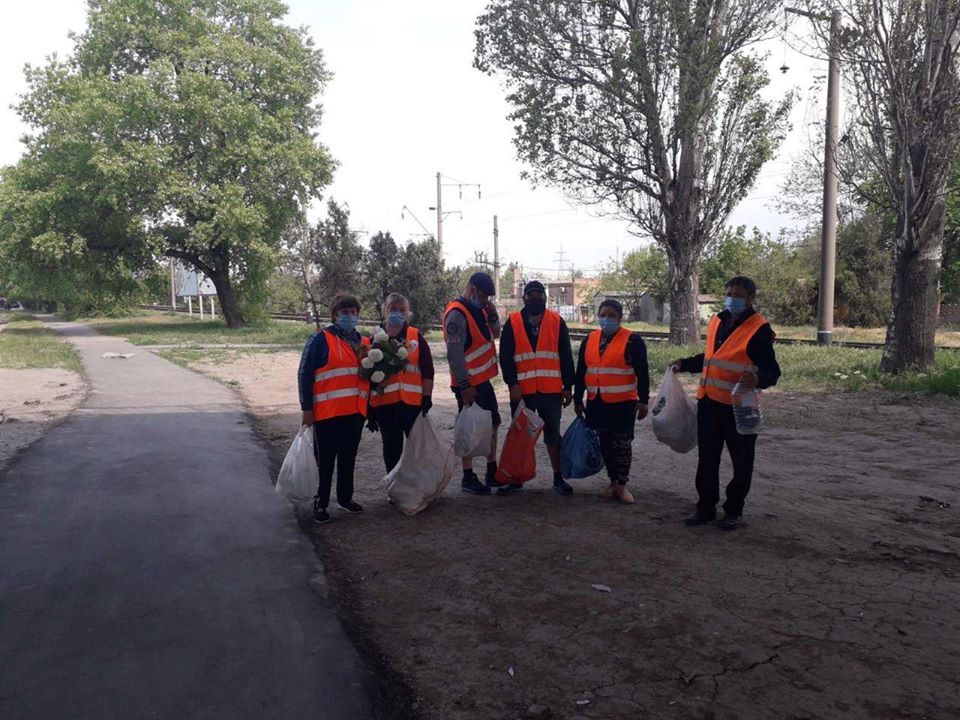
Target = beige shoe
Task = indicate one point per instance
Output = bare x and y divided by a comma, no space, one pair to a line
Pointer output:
624,495
608,491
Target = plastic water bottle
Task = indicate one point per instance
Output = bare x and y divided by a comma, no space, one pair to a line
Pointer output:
746,409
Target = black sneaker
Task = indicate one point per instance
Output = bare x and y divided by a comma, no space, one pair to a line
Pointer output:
351,507
729,522
320,516
562,487
700,518
505,489
491,479
471,484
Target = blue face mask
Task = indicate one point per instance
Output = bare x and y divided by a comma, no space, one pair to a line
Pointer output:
396,318
609,325
347,323
734,305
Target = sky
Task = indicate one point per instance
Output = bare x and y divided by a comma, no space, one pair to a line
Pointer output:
405,103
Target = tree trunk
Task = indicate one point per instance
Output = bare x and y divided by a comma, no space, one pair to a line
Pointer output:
228,299
684,308
915,291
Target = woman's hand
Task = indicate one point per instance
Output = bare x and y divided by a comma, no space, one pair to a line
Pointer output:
307,417
515,394
675,365
749,379
641,411
578,409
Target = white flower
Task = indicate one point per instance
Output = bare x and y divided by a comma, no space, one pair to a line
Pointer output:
380,336
836,374
376,355
844,377
378,376
857,372
366,363
402,353
414,344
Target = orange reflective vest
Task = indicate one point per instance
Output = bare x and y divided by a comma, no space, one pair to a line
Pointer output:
481,356
338,388
608,374
407,385
538,370
725,365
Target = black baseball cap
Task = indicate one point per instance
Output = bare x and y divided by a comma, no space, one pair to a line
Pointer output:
483,282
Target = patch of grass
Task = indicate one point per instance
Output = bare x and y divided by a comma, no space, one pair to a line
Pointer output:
185,357
26,343
150,328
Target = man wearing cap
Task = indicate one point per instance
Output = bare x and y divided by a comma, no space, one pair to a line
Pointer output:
537,364
470,325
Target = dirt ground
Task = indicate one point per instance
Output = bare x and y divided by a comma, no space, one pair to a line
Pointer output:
837,599
31,400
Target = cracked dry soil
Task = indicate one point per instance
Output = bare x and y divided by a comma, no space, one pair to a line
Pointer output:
838,599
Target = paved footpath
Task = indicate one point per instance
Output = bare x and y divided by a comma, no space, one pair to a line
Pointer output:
149,570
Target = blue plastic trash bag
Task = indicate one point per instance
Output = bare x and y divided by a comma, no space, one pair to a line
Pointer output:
580,451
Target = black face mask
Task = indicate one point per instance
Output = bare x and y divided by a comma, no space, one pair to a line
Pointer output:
535,307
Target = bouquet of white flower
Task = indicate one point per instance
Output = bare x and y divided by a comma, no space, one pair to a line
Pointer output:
385,356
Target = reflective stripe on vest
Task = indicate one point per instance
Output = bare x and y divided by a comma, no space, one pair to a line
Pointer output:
481,356
606,373
407,385
338,388
724,366
538,370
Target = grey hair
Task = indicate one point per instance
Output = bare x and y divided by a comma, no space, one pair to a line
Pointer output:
395,297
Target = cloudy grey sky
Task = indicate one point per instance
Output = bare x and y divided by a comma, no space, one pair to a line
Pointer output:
405,102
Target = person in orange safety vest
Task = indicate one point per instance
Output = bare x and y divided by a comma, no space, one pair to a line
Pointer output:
612,369
470,327
536,360
333,398
395,405
739,348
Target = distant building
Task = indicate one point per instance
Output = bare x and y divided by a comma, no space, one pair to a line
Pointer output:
636,308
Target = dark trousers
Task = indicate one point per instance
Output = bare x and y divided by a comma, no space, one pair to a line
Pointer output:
395,421
336,441
716,426
616,449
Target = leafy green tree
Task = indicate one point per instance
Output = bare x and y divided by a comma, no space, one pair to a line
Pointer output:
182,128
950,280
901,147
653,107
640,272
423,277
334,259
380,269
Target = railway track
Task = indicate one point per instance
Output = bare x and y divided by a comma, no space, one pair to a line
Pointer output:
578,335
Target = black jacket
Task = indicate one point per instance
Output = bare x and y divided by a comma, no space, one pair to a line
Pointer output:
759,349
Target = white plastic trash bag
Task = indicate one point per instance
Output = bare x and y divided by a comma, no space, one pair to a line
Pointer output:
299,475
425,468
674,415
472,433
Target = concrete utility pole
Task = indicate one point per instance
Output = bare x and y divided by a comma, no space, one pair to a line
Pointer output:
828,238
439,214
496,260
173,289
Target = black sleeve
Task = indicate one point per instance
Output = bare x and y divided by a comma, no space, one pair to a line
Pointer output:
636,356
507,348
692,364
761,352
568,371
314,356
426,358
581,381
